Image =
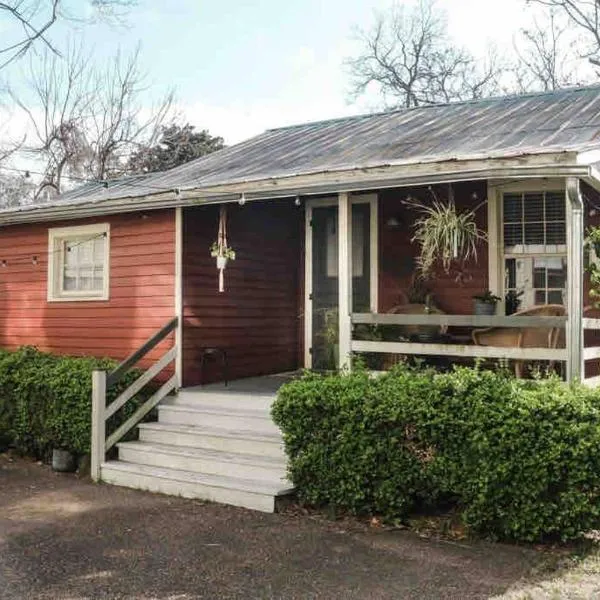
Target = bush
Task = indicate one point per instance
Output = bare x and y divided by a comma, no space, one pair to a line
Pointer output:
519,459
45,401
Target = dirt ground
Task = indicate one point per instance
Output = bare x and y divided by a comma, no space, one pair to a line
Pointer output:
66,538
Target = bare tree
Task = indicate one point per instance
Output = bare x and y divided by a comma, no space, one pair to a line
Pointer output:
545,56
119,123
584,15
410,60
27,23
86,121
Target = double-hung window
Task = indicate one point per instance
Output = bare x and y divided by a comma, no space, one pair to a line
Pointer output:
78,260
535,248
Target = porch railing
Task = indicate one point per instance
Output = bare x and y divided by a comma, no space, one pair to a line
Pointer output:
102,381
471,350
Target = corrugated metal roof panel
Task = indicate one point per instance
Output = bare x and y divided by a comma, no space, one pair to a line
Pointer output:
565,120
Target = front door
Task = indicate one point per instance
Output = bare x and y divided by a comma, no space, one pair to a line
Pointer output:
322,274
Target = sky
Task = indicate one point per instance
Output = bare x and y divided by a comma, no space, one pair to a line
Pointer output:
242,66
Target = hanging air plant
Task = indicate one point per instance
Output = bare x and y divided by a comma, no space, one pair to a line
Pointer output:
444,234
220,250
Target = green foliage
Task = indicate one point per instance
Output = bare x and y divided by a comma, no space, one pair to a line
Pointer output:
592,241
45,401
178,144
519,459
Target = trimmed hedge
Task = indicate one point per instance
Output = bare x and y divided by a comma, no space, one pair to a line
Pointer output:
519,459
45,401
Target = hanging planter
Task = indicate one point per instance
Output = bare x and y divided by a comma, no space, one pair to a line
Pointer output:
220,250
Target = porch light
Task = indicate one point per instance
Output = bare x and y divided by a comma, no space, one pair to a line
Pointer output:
297,201
242,199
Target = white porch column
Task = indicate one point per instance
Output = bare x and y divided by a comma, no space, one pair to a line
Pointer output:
574,329
344,279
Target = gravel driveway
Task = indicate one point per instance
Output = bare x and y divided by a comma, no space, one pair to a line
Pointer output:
66,538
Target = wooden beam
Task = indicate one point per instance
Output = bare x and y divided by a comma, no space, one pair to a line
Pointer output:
574,330
591,323
459,320
468,351
344,279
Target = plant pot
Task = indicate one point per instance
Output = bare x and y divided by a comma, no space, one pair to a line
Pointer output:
484,308
63,461
221,262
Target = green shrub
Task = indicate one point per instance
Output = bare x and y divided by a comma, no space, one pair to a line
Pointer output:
519,459
46,401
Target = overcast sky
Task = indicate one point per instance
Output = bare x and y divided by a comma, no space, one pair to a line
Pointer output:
242,66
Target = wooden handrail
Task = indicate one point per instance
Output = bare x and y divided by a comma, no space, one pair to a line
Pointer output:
101,381
136,356
458,320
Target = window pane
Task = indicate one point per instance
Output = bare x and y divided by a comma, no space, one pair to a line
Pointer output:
99,251
534,233
533,207
539,278
555,206
85,278
513,235
511,273
555,297
556,233
70,280
557,273
540,297
98,278
70,254
512,208
86,252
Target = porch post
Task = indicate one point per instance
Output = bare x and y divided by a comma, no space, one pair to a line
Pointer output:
98,423
574,329
344,279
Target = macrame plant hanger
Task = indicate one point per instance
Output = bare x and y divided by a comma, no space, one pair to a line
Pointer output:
222,246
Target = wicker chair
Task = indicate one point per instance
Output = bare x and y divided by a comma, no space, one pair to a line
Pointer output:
524,337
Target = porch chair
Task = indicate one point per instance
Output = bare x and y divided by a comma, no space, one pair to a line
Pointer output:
525,337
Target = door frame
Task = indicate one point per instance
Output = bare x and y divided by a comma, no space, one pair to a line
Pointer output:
372,200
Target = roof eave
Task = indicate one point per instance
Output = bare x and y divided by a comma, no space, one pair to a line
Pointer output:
562,164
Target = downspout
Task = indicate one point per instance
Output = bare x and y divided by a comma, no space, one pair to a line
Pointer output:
574,327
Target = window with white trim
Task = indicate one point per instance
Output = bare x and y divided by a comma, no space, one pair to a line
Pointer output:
535,248
78,260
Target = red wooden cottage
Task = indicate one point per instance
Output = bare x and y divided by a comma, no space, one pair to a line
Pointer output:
317,217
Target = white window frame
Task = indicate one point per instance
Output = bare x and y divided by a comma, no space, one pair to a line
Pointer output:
496,250
56,238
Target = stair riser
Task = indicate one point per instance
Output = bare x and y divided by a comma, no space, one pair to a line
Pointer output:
227,421
201,465
261,502
209,442
225,401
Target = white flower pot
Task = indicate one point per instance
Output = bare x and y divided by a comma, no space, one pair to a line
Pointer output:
221,262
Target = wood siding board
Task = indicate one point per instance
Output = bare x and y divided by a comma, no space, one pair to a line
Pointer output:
256,318
141,290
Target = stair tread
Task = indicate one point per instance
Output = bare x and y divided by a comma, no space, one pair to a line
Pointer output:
246,434
233,457
255,413
257,486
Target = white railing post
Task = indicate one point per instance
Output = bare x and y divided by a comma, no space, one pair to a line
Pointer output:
98,423
345,279
574,329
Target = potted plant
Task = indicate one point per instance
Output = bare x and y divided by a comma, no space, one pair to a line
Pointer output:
485,304
222,254
512,301
63,460
444,234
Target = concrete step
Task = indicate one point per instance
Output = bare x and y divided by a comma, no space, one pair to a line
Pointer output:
222,399
249,493
200,460
267,444
208,415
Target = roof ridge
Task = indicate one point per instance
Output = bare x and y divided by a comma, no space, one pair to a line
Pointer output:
394,111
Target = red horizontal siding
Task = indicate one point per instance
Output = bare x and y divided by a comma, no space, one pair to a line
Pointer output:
142,271
257,318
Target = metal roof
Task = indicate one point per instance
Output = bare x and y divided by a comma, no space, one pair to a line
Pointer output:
561,121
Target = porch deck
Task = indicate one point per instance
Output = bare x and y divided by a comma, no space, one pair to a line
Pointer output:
264,385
